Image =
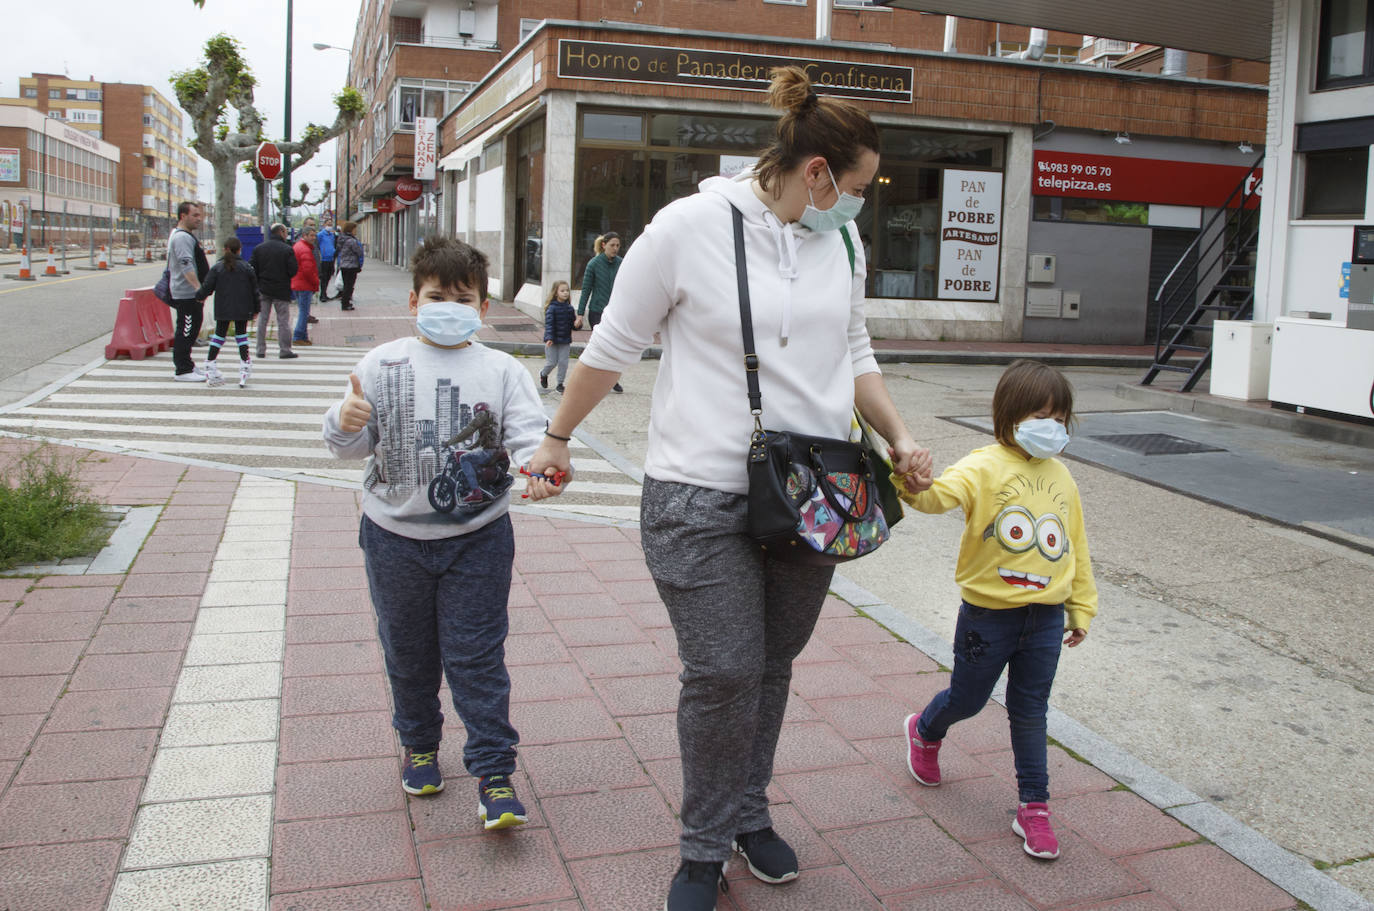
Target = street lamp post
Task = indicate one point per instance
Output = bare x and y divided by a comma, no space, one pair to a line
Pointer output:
286,159
348,142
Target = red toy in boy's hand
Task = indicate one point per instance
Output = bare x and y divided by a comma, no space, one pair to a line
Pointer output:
556,480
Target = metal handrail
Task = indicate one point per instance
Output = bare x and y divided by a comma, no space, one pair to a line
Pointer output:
1222,212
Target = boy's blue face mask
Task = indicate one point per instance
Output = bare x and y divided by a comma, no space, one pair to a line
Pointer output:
1042,438
448,323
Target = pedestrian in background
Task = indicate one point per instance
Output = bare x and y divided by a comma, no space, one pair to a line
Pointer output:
326,238
235,287
349,258
274,263
598,280
187,267
303,285
558,329
312,226
1025,578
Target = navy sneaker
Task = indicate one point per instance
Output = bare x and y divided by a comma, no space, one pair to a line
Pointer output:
694,886
420,775
497,805
769,857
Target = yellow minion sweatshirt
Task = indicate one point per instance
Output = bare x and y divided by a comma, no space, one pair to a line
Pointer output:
1023,539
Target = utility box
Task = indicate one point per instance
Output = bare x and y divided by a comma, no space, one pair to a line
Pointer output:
1241,352
1360,312
1043,302
1072,300
1040,269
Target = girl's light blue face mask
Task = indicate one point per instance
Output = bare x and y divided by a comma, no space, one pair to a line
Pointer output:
1041,437
447,323
846,209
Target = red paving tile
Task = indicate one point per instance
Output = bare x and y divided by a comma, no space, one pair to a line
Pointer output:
146,584
1081,874
865,716
1068,776
810,745
816,651
1119,822
601,631
330,628
828,679
625,881
581,766
587,825
53,627
562,720
652,615
336,524
123,638
153,610
971,809
111,710
528,564
28,659
126,672
520,595
850,630
347,788
17,733
333,694
28,695
318,738
633,592
516,867
344,851
1145,902
915,689
89,756
196,562
67,599
639,695
535,648
571,583
405,895
316,659
652,736
1205,878
527,620
849,796
316,557
320,602
180,544
630,659
13,589
96,581
619,570
332,578
49,814
905,856
832,888
986,895
875,658
608,550
571,606
68,877
538,682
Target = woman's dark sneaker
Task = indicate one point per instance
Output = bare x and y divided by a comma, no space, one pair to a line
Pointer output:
769,857
694,887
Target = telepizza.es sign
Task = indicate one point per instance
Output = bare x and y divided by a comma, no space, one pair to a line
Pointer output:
1156,180
727,70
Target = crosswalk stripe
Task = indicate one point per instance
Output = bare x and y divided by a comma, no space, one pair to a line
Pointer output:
229,380
233,397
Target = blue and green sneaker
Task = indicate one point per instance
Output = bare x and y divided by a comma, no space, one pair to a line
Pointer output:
497,805
420,775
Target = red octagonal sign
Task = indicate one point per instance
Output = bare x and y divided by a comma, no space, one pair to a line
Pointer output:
268,161
408,190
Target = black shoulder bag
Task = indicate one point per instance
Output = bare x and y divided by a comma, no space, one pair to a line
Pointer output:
811,499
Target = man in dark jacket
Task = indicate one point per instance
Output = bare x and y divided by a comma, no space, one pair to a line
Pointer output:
275,264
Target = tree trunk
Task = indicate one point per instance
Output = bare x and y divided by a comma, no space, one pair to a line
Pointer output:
225,175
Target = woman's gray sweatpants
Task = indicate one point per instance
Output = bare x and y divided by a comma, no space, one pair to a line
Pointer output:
740,619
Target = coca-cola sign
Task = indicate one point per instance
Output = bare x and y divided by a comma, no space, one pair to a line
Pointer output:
408,190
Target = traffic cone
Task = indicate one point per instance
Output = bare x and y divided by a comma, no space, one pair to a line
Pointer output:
52,263
24,265
102,263
129,258
147,254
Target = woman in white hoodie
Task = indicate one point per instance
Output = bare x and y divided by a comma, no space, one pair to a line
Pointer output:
740,616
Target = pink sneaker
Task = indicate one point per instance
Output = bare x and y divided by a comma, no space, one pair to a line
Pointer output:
1032,823
922,756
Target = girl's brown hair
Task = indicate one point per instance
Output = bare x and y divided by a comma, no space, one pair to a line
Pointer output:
811,125
232,249
553,294
348,226
1025,388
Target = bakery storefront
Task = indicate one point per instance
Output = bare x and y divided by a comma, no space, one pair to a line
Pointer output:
585,129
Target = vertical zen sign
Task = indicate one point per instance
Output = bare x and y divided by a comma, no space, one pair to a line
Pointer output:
970,235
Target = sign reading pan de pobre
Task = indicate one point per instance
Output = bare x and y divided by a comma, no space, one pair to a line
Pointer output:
726,70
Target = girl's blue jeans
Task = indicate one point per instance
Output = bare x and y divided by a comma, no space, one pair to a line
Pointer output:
441,610
1024,640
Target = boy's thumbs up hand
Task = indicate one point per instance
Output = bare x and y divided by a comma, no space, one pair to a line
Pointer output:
356,410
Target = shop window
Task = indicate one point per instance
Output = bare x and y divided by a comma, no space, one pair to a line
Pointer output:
1334,183
1090,211
605,127
1345,52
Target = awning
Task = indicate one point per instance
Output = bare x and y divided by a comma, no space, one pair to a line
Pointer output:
1233,28
458,158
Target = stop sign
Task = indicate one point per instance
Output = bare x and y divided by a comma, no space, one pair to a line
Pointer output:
408,190
268,161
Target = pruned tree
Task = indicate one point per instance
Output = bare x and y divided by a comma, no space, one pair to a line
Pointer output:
223,81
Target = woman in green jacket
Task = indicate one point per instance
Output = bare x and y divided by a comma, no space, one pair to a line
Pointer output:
598,281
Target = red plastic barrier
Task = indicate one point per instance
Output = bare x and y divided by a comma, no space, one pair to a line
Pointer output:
151,313
130,336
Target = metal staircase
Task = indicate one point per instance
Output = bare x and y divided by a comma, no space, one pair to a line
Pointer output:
1219,284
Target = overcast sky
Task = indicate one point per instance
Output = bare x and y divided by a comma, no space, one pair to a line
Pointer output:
147,41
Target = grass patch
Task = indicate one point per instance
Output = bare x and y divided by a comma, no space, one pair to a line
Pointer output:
46,513
1072,754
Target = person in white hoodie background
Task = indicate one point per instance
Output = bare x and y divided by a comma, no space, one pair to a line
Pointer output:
741,617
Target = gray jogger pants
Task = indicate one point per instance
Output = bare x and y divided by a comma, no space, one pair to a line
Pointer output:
740,619
556,355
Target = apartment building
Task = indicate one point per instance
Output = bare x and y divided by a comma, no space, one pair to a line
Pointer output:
157,169
56,181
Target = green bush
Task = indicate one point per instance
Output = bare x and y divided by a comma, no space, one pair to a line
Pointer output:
45,512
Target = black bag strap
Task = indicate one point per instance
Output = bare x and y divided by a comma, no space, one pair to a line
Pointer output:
746,321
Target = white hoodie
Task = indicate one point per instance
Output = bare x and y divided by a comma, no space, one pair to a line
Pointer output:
678,279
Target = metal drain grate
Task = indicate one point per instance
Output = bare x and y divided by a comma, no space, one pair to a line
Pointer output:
358,339
1155,443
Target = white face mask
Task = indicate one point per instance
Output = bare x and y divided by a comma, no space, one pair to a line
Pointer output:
1041,437
448,323
846,209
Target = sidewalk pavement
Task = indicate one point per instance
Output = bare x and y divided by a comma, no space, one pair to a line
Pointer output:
208,728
